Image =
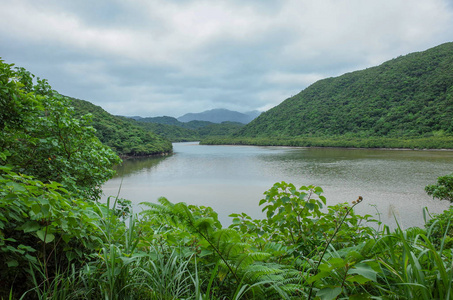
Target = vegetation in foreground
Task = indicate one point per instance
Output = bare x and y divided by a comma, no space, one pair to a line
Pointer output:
74,249
58,242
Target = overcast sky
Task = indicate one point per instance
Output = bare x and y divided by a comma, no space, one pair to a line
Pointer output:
170,57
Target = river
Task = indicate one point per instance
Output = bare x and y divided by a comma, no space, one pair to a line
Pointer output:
232,179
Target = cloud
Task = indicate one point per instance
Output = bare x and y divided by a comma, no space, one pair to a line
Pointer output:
170,57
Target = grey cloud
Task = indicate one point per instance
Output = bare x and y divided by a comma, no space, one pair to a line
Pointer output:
154,57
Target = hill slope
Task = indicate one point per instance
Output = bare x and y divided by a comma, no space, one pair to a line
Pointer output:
122,134
177,131
410,96
220,115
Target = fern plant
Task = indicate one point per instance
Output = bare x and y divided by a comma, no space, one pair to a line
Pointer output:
214,245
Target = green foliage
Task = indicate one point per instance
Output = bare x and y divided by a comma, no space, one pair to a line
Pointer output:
41,224
177,131
443,189
51,163
203,236
182,251
296,220
122,134
440,230
41,137
443,142
413,267
54,244
408,97
172,132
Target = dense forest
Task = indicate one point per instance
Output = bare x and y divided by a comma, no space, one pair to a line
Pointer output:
407,98
220,115
58,241
122,134
177,131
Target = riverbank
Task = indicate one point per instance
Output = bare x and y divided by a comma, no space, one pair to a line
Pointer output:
161,154
413,143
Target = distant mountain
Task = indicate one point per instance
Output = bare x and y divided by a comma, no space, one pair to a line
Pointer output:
173,121
220,115
160,120
409,96
177,131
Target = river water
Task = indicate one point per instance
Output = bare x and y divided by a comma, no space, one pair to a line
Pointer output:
232,179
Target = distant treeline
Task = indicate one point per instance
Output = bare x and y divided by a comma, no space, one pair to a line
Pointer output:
445,142
177,131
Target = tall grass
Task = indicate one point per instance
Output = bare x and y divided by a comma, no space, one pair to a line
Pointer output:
413,267
399,264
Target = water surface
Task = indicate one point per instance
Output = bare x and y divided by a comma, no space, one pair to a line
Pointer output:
233,178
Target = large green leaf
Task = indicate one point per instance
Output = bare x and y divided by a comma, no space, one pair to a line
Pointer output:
30,226
46,238
329,293
364,270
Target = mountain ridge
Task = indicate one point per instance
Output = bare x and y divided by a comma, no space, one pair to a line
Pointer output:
411,95
219,115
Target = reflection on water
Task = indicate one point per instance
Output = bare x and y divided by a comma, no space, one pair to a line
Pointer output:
233,178
136,165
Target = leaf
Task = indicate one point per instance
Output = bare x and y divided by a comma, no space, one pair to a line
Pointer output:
27,248
46,238
310,206
337,262
12,263
364,270
363,296
358,278
30,226
329,293
16,187
36,208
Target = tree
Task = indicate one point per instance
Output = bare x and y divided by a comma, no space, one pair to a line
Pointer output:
41,137
443,189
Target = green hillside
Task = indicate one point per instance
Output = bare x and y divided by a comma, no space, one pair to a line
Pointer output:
173,133
122,134
195,124
177,131
406,98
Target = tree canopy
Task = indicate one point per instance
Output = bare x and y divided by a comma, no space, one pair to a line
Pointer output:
409,96
41,137
122,134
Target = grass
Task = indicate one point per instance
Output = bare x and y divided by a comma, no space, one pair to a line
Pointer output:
130,264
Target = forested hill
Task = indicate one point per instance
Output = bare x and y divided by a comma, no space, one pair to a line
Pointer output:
177,131
122,134
409,96
220,115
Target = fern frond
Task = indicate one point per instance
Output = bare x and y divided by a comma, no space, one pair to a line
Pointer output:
247,259
225,235
204,224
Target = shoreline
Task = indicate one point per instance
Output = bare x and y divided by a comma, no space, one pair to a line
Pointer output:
126,157
421,144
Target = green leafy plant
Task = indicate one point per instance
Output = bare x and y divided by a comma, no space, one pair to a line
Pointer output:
413,267
443,189
43,138
43,226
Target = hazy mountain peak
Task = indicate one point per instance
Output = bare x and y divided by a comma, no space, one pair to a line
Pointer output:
219,115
